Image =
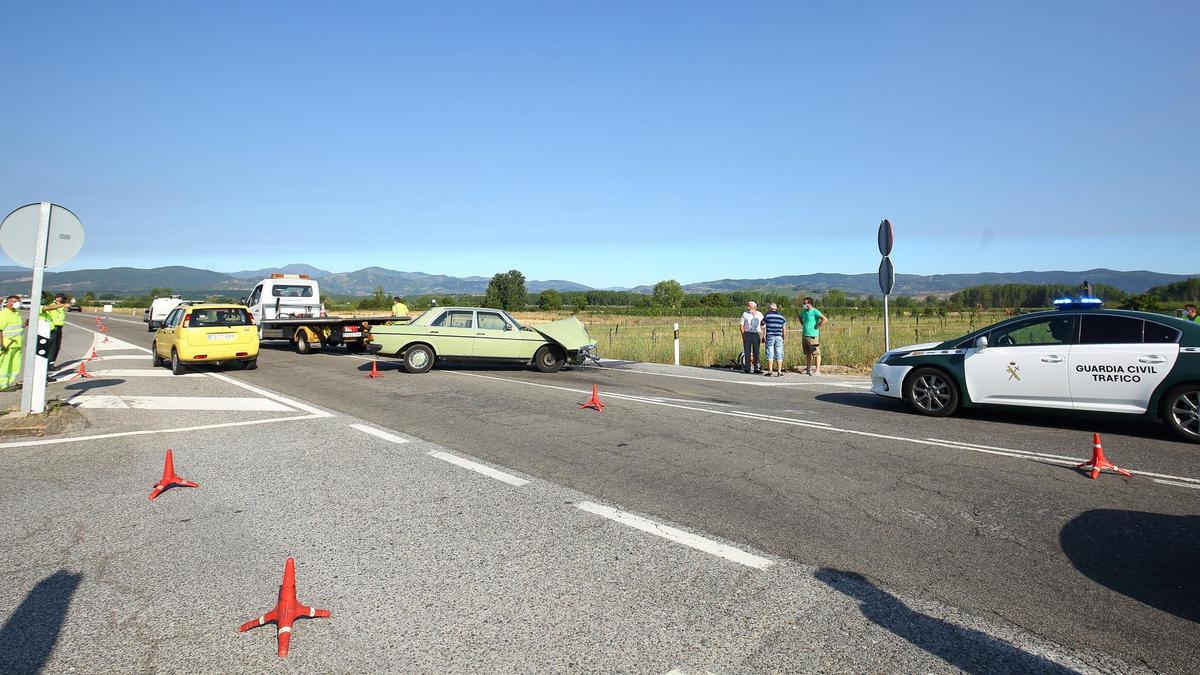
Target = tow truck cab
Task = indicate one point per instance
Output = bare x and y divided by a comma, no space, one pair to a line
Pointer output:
285,296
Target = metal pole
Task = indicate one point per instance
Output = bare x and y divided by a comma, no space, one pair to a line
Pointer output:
887,336
33,393
676,344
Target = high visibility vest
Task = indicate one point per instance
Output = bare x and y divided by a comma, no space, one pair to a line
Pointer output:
399,309
58,317
10,325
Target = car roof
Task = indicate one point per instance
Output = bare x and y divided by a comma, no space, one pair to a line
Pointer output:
214,305
1190,329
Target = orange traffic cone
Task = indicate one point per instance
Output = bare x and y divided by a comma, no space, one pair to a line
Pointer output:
82,372
374,374
169,478
594,402
1099,462
93,357
287,610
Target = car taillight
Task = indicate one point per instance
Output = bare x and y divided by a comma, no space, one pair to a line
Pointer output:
243,353
249,319
186,317
200,356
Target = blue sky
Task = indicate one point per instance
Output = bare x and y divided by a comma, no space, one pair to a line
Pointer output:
610,143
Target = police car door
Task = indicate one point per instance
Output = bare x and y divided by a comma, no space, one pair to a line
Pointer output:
1025,363
1120,361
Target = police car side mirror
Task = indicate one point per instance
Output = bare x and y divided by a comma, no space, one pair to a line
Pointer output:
981,342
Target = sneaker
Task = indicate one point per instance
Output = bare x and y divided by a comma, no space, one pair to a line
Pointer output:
779,374
816,372
768,373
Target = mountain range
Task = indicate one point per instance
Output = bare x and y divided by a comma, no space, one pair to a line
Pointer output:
132,280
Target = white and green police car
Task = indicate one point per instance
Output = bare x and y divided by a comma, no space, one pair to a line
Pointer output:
1075,357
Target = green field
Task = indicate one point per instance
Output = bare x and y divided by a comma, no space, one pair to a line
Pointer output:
852,341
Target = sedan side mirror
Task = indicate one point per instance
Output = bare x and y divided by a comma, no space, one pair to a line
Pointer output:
981,342
508,326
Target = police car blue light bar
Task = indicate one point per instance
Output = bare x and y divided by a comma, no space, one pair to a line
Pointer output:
1078,303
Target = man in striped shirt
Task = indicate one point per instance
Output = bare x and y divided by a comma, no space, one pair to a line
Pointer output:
776,330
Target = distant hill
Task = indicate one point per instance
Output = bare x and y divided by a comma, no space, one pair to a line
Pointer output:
293,268
1138,281
132,280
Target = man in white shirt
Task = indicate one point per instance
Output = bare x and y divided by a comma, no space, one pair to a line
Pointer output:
751,337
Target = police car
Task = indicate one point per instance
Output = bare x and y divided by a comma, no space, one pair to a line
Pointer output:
1078,356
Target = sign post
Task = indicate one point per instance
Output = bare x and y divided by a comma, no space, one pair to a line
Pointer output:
887,276
39,236
676,344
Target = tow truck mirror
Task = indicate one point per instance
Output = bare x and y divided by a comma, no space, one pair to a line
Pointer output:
981,342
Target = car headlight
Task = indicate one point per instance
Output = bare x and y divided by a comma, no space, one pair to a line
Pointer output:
892,358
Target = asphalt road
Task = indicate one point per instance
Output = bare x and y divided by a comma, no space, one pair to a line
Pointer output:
822,473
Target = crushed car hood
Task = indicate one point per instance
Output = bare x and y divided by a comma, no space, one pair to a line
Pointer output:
570,333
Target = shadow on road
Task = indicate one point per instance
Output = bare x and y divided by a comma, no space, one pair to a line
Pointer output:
1153,558
92,383
28,636
967,649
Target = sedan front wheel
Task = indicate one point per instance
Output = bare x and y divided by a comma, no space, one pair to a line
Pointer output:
931,392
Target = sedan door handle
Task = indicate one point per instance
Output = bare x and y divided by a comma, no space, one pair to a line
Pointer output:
1052,358
1151,359
481,333
433,331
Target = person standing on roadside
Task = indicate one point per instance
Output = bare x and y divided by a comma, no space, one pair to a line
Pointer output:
1190,313
811,320
12,339
58,318
398,307
775,325
751,338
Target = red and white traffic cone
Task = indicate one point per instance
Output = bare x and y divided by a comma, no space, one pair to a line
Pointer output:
287,610
93,357
82,372
169,478
1099,462
594,402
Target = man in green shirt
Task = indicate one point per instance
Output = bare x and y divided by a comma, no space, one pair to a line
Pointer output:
57,311
12,339
811,320
398,307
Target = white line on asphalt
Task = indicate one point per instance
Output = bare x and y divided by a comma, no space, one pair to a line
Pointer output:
1176,483
133,372
780,418
118,357
478,468
144,432
379,434
832,383
180,403
263,392
678,536
976,446
1016,454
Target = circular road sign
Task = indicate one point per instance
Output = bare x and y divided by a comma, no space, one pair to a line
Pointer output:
18,235
887,276
886,238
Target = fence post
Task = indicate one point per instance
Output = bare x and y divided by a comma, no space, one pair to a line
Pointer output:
676,344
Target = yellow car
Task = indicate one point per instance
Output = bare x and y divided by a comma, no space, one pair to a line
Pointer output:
206,333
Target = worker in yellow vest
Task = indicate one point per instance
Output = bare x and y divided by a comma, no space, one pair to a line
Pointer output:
12,339
398,307
58,317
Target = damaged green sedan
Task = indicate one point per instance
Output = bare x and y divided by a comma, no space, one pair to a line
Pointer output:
482,335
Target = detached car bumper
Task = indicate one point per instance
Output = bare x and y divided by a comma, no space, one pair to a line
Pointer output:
889,380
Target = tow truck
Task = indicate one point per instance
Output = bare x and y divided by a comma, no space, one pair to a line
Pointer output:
288,307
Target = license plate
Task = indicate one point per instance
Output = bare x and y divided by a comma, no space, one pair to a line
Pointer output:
349,333
221,337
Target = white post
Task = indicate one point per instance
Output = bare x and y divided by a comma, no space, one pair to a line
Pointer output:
887,336
676,344
33,393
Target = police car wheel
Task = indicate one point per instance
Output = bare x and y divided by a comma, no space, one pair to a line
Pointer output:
931,392
1181,408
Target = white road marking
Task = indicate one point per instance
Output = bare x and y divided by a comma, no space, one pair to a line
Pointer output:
478,468
116,357
1176,483
133,372
780,418
832,383
678,536
144,432
379,434
240,404
976,446
822,426
316,412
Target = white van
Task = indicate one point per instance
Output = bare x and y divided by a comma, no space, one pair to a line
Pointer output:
158,311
